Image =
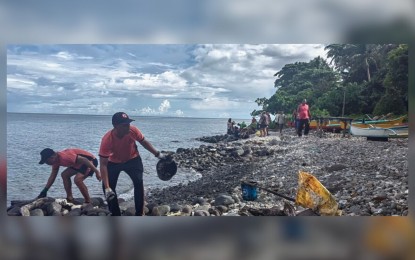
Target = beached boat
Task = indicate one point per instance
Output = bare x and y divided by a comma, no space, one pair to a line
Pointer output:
328,125
379,132
379,123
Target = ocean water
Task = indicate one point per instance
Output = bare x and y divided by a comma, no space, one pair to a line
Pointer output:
28,134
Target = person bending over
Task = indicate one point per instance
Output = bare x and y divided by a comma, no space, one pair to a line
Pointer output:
80,163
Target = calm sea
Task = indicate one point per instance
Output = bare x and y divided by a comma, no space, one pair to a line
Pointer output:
28,134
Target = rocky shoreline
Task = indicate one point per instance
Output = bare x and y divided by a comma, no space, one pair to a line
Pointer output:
367,178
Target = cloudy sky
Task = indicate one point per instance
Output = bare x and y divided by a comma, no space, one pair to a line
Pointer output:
147,80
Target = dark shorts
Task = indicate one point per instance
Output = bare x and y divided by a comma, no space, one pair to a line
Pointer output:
84,168
262,126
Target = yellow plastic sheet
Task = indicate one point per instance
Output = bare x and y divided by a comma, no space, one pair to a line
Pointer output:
312,194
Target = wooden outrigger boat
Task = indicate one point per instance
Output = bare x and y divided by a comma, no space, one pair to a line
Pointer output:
379,123
379,132
328,125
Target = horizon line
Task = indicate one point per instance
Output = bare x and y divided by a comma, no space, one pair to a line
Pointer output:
165,116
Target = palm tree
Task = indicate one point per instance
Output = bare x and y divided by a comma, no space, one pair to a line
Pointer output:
352,57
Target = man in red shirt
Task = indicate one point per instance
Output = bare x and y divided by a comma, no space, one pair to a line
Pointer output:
303,115
80,163
119,152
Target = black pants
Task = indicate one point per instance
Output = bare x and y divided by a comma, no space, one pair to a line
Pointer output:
134,169
303,123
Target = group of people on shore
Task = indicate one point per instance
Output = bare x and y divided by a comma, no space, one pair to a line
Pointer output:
118,152
300,119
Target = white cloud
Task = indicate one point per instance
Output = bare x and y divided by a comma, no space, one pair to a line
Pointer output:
63,55
219,79
179,112
164,106
14,82
147,111
163,95
214,104
224,115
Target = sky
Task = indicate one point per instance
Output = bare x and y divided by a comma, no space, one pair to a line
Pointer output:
181,80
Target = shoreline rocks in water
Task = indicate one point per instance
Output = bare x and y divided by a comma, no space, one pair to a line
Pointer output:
367,178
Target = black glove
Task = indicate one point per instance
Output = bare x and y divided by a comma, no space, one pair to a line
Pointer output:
43,193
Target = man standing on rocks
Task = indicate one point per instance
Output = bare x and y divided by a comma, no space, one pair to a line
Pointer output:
280,120
268,122
262,124
119,152
80,163
304,116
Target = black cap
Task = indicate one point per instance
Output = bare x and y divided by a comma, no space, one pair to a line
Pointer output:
45,154
121,118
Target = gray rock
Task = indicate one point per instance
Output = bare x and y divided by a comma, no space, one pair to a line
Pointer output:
150,207
233,214
97,202
204,207
214,212
200,201
224,200
202,213
380,196
355,209
222,209
36,212
130,211
87,207
54,209
175,207
160,210
97,212
74,212
14,211
187,210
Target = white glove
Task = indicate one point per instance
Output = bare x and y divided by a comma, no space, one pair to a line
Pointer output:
160,156
109,194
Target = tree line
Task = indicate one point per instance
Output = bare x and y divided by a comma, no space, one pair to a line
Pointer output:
356,79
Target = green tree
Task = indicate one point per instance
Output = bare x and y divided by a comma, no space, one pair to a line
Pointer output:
396,79
364,78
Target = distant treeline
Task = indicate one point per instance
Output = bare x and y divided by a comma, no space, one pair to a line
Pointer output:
356,79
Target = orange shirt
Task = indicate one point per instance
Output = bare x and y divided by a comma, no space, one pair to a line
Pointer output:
68,158
120,150
303,112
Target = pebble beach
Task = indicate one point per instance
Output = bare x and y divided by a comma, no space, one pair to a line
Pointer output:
366,178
